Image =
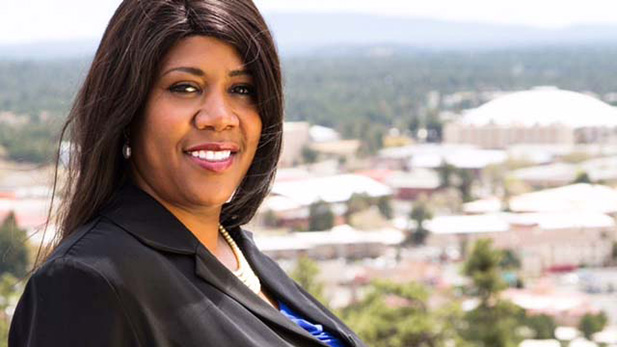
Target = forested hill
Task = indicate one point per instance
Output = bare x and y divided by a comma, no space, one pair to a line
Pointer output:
389,86
350,87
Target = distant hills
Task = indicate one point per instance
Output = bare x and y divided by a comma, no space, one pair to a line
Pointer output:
298,33
314,33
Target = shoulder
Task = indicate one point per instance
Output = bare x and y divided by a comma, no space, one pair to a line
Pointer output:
70,301
103,248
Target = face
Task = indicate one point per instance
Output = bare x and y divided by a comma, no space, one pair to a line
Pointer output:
200,128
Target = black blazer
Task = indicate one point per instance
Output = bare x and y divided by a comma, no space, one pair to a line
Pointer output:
135,276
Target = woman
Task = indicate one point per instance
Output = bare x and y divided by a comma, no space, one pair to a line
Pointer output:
176,134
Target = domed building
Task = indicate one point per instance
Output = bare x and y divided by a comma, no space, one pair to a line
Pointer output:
543,115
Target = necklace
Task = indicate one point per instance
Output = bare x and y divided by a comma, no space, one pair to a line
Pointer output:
244,272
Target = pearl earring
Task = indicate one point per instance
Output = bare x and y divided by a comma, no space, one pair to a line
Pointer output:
126,151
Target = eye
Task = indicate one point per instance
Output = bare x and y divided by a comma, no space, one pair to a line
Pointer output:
243,89
184,88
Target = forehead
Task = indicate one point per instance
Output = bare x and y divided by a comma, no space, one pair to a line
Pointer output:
203,51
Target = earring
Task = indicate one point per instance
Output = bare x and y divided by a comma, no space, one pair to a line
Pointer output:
126,148
126,151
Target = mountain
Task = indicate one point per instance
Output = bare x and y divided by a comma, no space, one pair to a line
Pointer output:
301,33
315,33
49,50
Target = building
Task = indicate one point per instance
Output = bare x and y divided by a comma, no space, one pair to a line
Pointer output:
407,185
296,136
565,306
544,115
342,241
433,156
290,199
543,241
559,174
581,197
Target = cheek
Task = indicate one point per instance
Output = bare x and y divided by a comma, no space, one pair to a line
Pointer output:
160,134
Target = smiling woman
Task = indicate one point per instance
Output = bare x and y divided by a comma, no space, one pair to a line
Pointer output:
199,133
176,135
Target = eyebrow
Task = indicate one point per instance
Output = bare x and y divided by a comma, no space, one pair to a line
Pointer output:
199,72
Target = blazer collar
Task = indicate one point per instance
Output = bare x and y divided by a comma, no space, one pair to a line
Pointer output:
285,289
145,218
209,269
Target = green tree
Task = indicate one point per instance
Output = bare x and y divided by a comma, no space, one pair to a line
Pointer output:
543,326
10,290
358,203
320,216
483,268
309,155
384,204
510,260
434,125
396,315
419,213
446,174
494,322
466,180
270,219
582,177
305,273
13,248
592,323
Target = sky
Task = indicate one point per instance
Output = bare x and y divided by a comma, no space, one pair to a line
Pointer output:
23,21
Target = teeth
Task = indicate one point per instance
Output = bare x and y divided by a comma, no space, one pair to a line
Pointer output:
211,155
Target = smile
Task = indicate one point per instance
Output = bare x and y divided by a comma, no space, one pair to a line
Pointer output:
212,161
213,156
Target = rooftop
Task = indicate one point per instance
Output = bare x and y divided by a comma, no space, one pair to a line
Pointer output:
544,106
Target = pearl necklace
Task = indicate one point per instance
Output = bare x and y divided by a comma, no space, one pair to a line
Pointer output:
244,272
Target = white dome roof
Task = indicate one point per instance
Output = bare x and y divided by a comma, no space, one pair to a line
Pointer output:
544,106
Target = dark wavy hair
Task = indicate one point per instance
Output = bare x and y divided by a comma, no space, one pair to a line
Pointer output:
113,95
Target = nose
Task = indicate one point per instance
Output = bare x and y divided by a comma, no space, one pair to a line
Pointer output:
216,112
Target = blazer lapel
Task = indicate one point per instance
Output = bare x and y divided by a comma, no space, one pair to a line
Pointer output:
279,283
212,271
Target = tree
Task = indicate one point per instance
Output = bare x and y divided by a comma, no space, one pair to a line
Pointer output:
483,268
592,323
358,203
494,321
420,213
446,173
396,315
320,216
10,291
384,205
434,125
309,155
510,260
13,248
270,219
543,326
582,177
305,273
466,180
